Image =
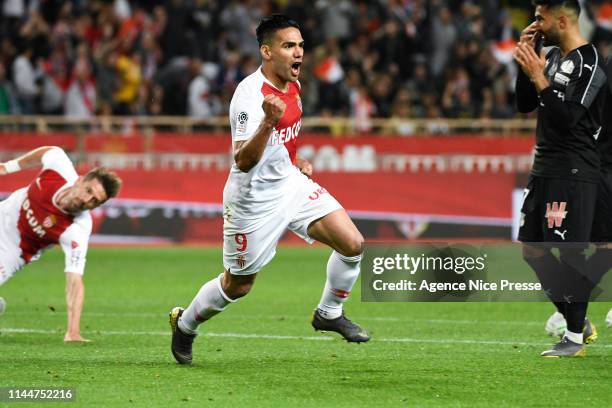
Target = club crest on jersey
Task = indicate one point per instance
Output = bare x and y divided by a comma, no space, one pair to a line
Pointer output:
555,214
567,67
241,261
49,221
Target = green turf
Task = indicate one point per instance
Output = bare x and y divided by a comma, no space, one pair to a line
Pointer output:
421,355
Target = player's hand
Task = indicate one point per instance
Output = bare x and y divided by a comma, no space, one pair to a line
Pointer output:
304,166
274,108
531,63
75,338
530,34
3,169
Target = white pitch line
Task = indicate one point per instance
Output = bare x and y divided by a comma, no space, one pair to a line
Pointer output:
309,338
295,317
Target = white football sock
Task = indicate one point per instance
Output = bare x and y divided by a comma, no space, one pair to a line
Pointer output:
209,301
575,337
342,272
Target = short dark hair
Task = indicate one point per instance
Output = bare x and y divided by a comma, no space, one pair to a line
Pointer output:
269,25
573,5
109,180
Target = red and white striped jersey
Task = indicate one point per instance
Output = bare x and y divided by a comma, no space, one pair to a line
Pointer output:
31,222
257,192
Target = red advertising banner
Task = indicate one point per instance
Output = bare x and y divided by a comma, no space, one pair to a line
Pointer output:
395,188
221,143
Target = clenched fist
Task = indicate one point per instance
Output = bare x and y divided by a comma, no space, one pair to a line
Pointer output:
274,108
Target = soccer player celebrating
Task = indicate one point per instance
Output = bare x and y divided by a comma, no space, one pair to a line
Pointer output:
53,209
560,197
269,190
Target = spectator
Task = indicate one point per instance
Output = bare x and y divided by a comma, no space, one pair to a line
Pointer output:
128,68
8,101
26,81
443,36
202,103
81,96
390,45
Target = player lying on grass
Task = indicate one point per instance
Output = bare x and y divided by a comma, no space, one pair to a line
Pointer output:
53,209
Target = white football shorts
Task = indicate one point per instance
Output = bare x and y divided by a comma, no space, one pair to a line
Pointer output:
247,249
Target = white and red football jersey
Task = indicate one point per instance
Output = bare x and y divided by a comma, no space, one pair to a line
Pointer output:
30,220
257,192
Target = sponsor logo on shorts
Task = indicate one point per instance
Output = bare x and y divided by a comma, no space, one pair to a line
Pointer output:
561,234
555,214
317,193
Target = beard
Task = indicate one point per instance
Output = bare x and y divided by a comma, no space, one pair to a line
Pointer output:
551,38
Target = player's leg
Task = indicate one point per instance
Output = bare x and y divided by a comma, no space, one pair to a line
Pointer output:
600,262
338,231
244,254
539,257
5,275
569,215
213,297
320,217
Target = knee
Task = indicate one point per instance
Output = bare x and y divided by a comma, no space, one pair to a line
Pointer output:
235,286
353,246
238,291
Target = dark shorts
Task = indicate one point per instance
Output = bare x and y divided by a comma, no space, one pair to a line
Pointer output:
557,210
602,221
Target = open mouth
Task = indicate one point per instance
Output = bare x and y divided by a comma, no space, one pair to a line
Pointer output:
295,68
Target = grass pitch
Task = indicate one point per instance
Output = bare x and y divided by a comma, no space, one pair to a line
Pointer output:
263,352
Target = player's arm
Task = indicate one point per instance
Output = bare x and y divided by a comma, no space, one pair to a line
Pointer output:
31,159
75,296
74,242
565,113
526,94
247,153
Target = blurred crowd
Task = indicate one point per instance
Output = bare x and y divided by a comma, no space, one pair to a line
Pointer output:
364,59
